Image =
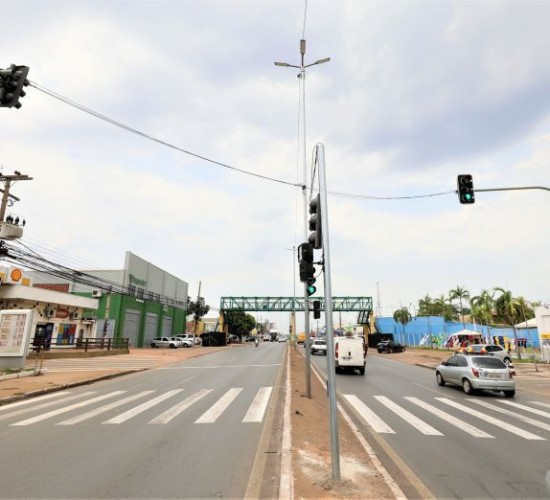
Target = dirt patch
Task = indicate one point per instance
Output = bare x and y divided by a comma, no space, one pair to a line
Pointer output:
311,447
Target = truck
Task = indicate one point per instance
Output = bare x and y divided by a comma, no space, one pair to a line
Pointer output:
350,354
301,338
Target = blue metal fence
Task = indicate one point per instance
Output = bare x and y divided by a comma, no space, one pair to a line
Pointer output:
421,329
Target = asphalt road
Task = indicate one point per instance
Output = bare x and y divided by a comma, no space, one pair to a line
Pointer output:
189,430
483,446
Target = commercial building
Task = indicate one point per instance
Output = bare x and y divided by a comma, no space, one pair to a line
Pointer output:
139,302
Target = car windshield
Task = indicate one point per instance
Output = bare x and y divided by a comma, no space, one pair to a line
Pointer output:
487,362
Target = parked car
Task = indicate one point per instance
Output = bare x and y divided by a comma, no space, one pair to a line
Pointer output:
184,341
252,338
165,342
282,338
490,349
319,346
389,346
477,372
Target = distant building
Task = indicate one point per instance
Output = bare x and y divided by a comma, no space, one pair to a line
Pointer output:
153,302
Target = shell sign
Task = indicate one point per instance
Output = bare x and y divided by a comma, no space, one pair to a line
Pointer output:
15,277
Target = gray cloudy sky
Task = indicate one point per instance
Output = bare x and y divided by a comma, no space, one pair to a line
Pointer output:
415,93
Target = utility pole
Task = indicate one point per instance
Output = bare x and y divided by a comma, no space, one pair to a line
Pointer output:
10,228
194,319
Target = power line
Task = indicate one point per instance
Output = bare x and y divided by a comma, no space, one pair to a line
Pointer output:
116,123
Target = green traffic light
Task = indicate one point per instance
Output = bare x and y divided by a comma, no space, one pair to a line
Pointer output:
311,289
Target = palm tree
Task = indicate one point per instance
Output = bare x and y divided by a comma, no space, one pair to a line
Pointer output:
482,308
402,316
507,310
460,293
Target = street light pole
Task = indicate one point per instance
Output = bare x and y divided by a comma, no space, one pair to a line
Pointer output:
302,75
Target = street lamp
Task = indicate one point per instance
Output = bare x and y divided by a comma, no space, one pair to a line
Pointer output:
302,67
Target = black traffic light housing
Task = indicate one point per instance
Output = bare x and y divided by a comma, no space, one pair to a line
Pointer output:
316,237
307,270
316,309
12,82
465,184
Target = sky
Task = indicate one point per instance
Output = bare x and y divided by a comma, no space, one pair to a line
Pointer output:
415,93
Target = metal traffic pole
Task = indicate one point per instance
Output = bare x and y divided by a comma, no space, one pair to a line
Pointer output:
331,378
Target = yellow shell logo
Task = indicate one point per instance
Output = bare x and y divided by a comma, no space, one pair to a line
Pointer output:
16,274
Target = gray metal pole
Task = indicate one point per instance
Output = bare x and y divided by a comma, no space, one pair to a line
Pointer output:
331,378
304,192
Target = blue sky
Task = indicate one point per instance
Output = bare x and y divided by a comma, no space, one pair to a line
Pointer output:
415,93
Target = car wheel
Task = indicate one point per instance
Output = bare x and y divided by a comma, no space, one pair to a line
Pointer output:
362,371
439,378
172,346
509,394
467,386
153,345
379,351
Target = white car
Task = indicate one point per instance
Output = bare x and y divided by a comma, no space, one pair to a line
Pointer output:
165,342
319,346
184,341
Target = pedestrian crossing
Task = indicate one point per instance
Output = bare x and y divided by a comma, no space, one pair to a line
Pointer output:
475,417
90,405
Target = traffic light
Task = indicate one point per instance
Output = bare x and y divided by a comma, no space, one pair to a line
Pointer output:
316,237
307,270
466,189
316,309
12,81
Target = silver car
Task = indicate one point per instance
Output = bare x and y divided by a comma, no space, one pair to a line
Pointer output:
477,372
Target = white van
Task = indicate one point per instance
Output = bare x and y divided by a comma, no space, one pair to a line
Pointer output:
349,354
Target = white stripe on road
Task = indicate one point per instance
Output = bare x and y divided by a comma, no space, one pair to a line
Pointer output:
526,408
523,418
470,429
417,423
257,409
33,400
540,403
66,409
211,415
103,409
369,417
141,408
496,421
47,405
168,415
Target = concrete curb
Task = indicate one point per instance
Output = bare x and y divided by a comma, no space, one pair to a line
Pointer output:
47,390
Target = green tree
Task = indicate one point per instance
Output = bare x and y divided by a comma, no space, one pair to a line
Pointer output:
197,309
402,316
460,294
439,306
482,308
507,310
239,323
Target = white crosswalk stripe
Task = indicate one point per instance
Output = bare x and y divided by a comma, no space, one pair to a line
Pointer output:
214,412
368,416
527,408
168,415
99,363
257,409
66,409
492,420
411,419
450,419
141,408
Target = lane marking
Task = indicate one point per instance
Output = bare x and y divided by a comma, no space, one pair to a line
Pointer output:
103,409
411,419
168,415
141,408
257,409
469,429
369,417
211,415
66,409
526,408
47,405
523,418
495,421
540,403
33,400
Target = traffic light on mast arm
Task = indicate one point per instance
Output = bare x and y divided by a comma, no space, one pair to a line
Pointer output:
12,82
465,185
316,237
